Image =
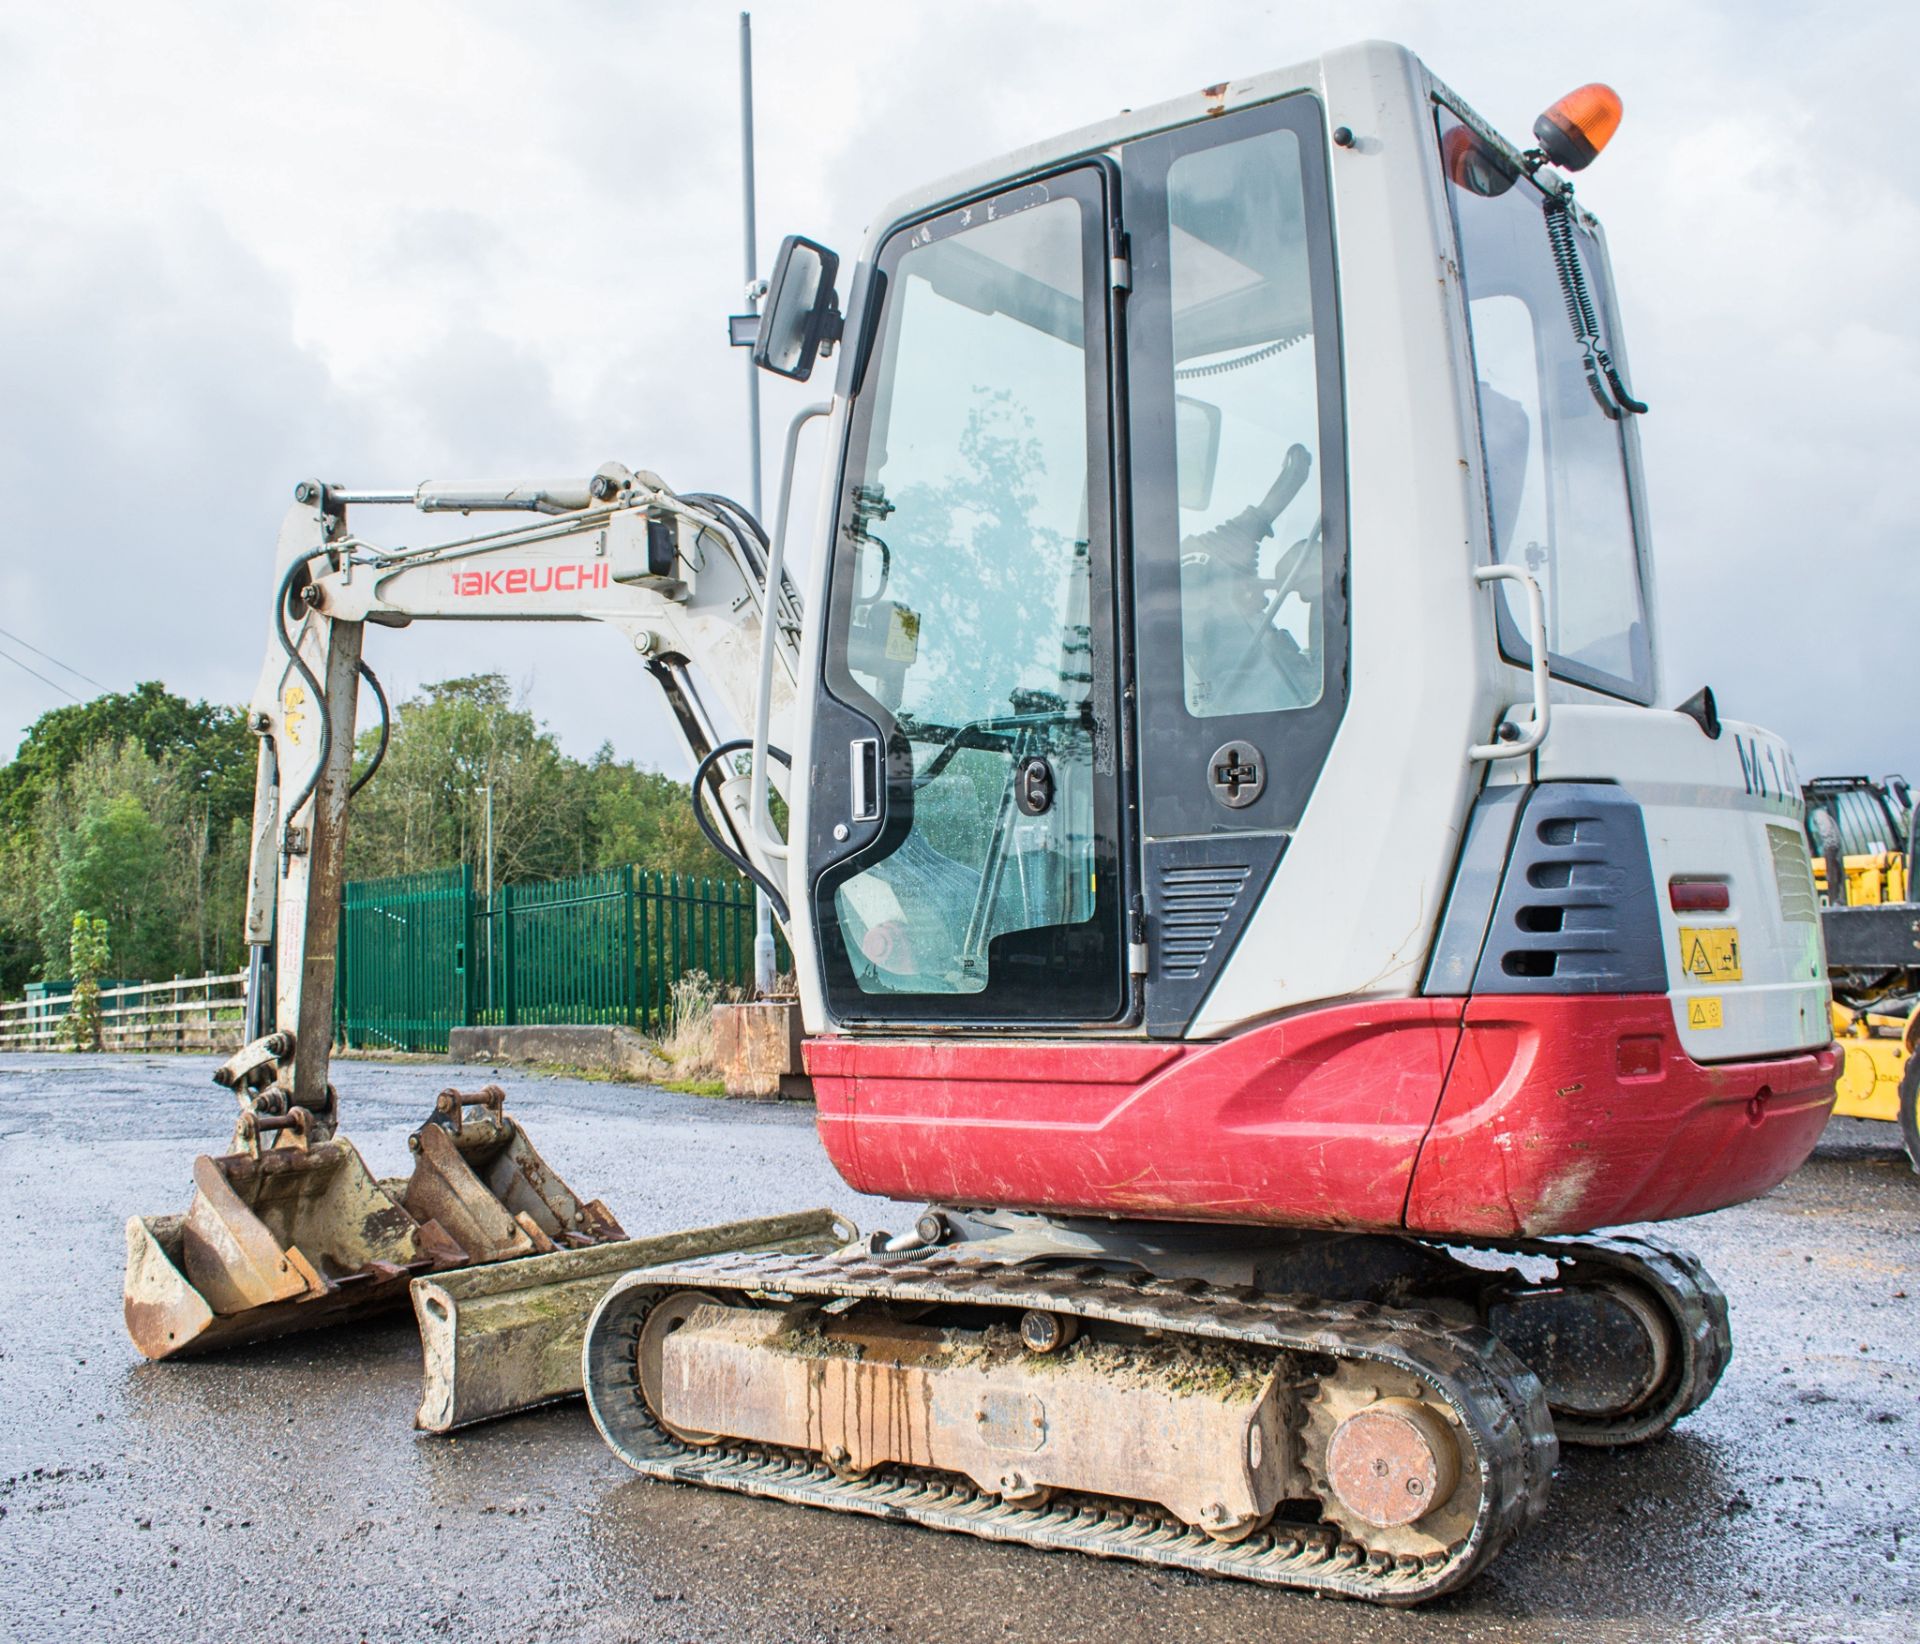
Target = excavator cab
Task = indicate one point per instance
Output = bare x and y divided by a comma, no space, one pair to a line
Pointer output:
1183,513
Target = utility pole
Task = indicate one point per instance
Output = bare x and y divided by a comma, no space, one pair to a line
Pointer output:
487,789
755,289
763,948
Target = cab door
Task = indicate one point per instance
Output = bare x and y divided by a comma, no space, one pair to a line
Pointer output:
1239,520
967,809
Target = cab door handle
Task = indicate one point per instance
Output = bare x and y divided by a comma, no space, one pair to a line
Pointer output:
863,755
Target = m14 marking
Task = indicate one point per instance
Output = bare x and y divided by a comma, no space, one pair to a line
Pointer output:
1766,768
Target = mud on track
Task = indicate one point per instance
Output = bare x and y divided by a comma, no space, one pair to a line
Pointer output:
279,1491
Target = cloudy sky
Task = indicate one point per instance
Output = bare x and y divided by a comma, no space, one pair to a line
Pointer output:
383,242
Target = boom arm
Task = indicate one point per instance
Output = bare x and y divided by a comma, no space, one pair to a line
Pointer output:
682,577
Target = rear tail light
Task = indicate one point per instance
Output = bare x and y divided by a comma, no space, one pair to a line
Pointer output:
1699,895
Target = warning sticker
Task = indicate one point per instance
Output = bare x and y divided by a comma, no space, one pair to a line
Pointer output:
1703,1013
293,701
1710,954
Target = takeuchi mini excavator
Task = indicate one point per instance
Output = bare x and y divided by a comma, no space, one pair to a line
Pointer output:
1245,877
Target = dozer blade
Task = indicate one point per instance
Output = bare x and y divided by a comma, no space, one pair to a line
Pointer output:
507,1337
296,1235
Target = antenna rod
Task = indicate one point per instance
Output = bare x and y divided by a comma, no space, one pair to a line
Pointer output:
763,947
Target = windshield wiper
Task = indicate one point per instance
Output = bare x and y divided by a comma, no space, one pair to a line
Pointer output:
1580,311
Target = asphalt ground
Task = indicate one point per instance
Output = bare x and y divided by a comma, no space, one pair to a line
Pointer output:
279,1492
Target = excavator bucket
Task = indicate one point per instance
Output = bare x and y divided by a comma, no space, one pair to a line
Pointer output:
507,1337
481,1181
283,1240
298,1234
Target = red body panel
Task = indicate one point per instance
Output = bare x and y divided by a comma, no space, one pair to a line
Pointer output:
1539,1133
1492,1116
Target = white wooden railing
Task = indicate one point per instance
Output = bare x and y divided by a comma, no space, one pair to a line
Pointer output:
189,1013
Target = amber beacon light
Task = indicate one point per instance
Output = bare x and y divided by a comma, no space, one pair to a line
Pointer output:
1577,127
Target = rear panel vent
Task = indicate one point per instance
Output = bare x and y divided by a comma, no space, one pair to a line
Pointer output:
1792,875
1577,910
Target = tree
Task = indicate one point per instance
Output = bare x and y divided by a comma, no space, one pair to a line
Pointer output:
193,779
87,957
428,806
115,838
138,807
645,817
207,746
552,814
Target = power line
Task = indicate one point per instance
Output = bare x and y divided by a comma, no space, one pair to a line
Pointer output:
65,667
38,675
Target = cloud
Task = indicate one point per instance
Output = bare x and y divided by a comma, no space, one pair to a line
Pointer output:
155,408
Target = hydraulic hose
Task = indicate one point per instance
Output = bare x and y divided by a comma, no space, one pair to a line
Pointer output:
312,683
386,730
726,848
1581,314
755,541
320,702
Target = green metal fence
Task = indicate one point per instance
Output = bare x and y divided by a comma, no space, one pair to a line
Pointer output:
402,978
560,951
424,953
683,924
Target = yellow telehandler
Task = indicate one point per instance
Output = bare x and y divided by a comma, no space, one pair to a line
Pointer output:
1863,837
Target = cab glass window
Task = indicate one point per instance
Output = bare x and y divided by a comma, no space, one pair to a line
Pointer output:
1246,417
965,621
1557,464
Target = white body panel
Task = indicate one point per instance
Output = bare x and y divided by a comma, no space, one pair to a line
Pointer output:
1352,908
1710,808
799,873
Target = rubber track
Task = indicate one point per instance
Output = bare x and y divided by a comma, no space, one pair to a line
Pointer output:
1502,1409
1697,1305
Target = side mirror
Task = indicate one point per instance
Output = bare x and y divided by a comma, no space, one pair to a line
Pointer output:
802,319
1196,445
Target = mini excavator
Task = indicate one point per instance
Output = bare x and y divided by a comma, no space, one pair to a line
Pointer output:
1245,877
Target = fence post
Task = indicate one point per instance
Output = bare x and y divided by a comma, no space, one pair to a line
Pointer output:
468,993
645,941
505,904
630,966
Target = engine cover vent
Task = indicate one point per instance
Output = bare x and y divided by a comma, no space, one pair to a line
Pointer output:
1577,911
